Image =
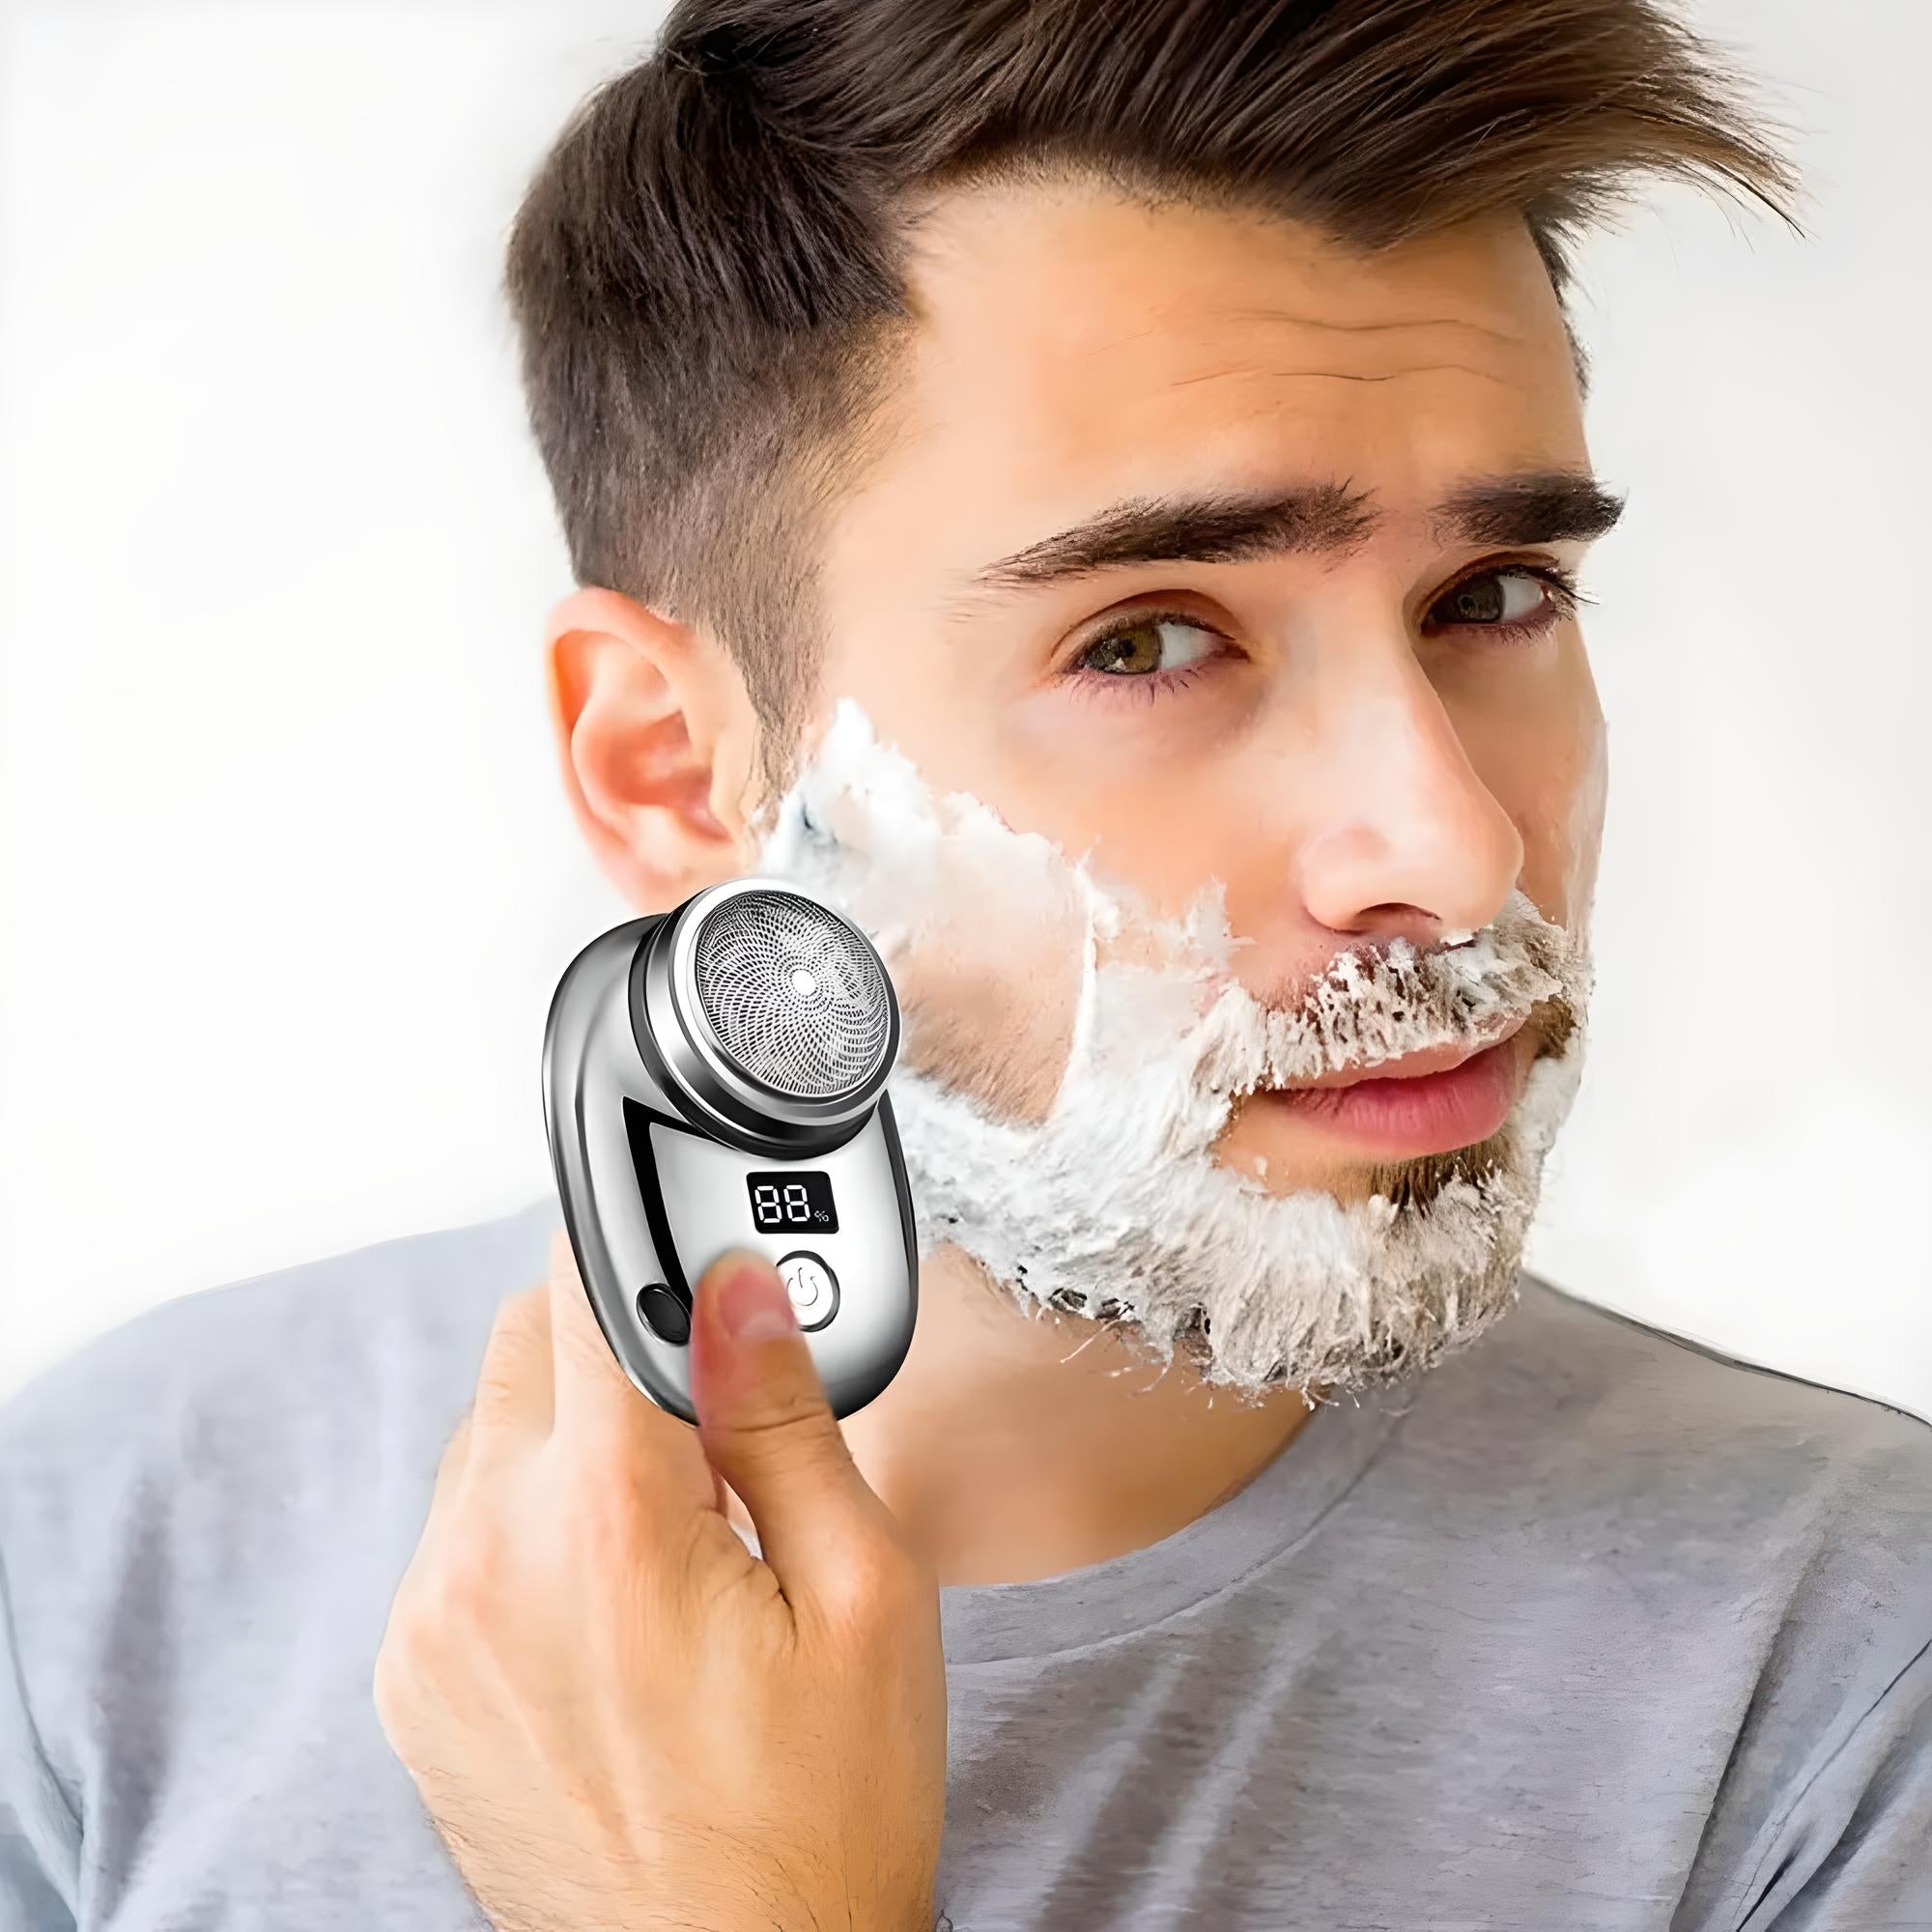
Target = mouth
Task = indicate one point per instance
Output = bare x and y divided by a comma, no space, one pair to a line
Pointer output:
1429,1102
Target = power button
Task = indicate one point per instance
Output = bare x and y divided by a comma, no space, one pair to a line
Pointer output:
812,1287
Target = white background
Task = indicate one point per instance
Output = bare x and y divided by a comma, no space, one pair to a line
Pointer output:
286,877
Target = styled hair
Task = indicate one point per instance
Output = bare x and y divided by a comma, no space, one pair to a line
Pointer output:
707,272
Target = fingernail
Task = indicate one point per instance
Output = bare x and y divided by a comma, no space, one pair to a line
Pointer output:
755,1306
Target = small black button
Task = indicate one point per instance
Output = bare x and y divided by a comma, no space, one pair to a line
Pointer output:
663,1313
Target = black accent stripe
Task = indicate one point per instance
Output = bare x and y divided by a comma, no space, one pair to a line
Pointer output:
638,1119
903,1189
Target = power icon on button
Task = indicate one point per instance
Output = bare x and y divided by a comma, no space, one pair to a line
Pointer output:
812,1287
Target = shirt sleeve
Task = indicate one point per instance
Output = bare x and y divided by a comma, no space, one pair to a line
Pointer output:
40,1835
1854,1850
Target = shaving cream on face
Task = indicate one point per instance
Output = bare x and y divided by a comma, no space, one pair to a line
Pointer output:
1073,1156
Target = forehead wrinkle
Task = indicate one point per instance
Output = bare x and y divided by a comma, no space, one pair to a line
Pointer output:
1343,375
1366,327
1193,324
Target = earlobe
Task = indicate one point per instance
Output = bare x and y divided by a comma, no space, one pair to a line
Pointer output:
639,720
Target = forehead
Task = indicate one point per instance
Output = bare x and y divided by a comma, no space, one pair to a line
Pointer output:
1075,346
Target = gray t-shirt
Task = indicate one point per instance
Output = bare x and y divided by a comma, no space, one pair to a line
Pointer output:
1588,1629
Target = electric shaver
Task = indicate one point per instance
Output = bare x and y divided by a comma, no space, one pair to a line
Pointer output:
714,1077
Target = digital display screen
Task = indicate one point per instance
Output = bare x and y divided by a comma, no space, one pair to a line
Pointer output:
792,1202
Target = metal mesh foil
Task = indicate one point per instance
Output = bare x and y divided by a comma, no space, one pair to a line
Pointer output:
794,996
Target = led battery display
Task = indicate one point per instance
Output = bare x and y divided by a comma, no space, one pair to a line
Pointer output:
792,1202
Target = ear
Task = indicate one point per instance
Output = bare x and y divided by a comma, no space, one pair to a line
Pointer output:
655,735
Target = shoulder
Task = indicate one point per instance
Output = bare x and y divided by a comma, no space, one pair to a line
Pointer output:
259,1389
1782,1530
1749,1549
244,1346
203,1515
1644,1447
1689,1409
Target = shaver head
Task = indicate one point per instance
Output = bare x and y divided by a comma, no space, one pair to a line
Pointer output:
767,1018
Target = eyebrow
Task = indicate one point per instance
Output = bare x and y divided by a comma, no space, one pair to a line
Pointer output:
1313,519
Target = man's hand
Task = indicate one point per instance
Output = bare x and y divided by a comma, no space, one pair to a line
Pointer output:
617,1715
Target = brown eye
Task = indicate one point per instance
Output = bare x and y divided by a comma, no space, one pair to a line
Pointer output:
1149,644
1513,600
1480,601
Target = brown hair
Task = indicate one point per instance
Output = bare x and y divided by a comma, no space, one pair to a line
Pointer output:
705,271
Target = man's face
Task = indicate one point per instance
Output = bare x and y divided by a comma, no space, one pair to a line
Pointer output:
1358,744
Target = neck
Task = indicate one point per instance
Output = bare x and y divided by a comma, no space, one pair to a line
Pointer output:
1016,1443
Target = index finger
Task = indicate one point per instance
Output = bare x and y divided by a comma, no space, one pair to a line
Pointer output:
596,1414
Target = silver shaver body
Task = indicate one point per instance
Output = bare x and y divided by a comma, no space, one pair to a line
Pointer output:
714,1077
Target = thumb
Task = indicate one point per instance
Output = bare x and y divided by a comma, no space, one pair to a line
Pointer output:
767,1428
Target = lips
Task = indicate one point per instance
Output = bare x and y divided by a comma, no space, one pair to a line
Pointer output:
1427,1102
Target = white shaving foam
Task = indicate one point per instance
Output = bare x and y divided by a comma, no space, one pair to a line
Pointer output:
1114,1206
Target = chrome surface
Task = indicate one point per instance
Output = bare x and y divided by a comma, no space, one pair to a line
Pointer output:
591,1065
737,1098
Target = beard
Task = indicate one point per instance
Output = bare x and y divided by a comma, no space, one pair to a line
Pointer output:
1071,1155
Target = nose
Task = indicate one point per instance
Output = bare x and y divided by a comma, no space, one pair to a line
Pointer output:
1405,840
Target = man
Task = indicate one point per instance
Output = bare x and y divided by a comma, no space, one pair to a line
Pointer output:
1098,492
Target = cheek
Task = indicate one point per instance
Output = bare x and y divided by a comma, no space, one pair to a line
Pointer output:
1585,831
1152,792
979,919
988,1001
1570,773
1541,751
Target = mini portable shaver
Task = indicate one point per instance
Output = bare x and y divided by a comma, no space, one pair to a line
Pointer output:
714,1077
